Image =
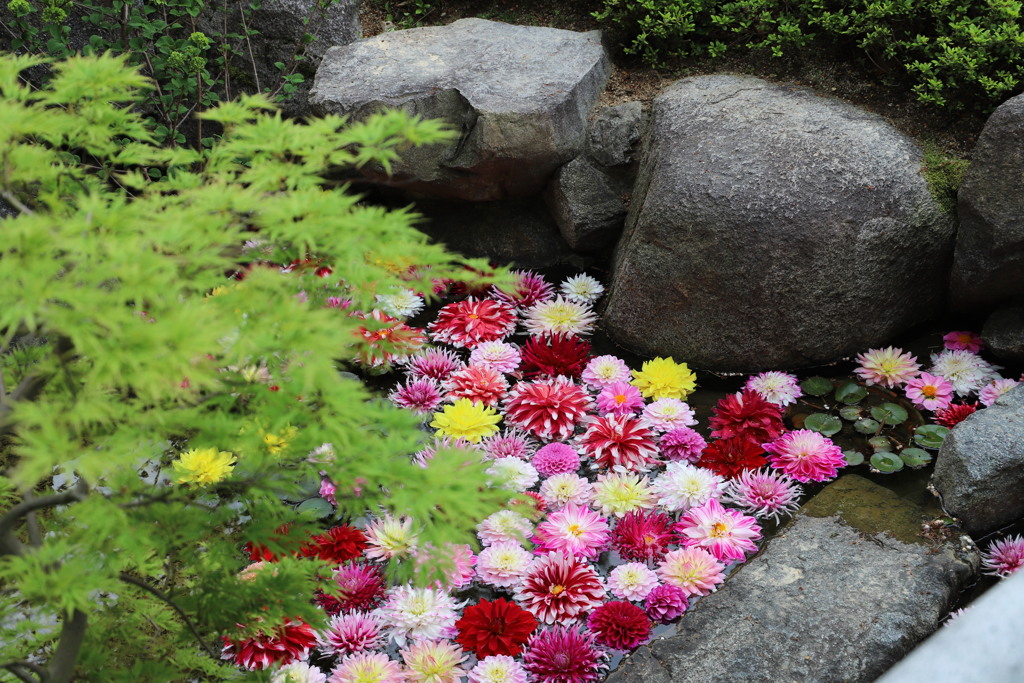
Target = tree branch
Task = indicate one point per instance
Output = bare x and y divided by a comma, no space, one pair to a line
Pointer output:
72,634
160,595
16,669
15,202
31,504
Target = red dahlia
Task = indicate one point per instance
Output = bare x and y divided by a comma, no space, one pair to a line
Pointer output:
291,642
495,628
955,413
283,543
746,414
337,546
643,535
550,355
729,457
470,322
549,409
619,625
560,587
478,383
564,654
620,441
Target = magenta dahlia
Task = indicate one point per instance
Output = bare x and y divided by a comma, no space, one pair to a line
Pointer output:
511,443
1004,557
665,603
288,643
574,529
619,398
549,409
559,587
435,364
478,383
550,355
748,415
806,455
619,625
420,395
643,535
556,458
528,288
682,443
564,654
473,321
620,443
359,587
727,534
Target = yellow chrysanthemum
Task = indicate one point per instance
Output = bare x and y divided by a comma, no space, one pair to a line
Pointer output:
276,443
665,378
203,466
466,419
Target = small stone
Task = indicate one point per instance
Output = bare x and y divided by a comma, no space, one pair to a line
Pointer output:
1003,334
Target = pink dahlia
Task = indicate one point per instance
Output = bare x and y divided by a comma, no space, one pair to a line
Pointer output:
568,487
694,570
549,409
806,455
501,356
556,458
764,493
477,383
603,371
780,388
619,398
682,443
994,389
528,288
930,392
504,525
730,457
455,562
550,355
665,603
511,443
433,661
435,364
1004,557
619,625
421,395
963,341
560,588
745,414
564,654
498,669
726,534
667,414
620,443
632,581
367,667
353,632
575,530
889,367
288,643
473,321
359,587
955,414
643,535
503,564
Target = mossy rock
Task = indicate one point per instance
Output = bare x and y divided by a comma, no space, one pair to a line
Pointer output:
869,508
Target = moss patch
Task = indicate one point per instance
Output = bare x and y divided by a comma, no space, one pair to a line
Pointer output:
869,508
944,174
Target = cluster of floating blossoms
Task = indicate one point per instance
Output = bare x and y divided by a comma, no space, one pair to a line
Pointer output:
629,513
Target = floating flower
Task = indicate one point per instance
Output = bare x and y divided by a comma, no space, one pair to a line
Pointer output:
203,466
604,371
390,537
478,384
632,581
780,388
560,588
549,355
504,525
466,420
963,341
682,443
666,414
955,414
559,316
619,443
353,632
528,289
423,457
1004,557
683,486
549,409
420,395
495,628
931,392
665,378
298,672
747,415
367,667
512,443
889,367
619,625
418,613
456,561
582,288
435,364
564,654
288,643
694,570
337,546
643,535
502,564
574,529
966,371
806,455
726,534
561,489
500,356
512,474
386,339
556,458
994,389
617,493
730,457
619,398
404,303
666,603
764,493
359,587
473,321
498,669
429,661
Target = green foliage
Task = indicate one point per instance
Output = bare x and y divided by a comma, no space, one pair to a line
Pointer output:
944,174
123,345
952,53
406,13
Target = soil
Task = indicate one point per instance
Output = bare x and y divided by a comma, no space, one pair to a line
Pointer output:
849,77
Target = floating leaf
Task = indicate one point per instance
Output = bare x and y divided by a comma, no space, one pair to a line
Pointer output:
866,426
816,386
930,436
850,392
318,508
886,462
889,413
853,457
850,413
880,443
915,457
823,423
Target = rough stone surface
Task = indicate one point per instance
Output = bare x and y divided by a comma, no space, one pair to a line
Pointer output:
1004,335
979,471
614,135
988,267
833,597
586,207
518,96
773,228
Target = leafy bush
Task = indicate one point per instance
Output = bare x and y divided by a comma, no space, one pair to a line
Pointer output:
124,345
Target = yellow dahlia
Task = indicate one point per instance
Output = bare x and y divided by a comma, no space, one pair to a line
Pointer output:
664,378
203,466
466,419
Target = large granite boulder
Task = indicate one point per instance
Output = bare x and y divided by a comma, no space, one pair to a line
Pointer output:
840,594
979,471
773,228
518,96
988,267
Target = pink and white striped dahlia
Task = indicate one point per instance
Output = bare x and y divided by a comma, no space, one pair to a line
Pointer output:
477,383
422,395
473,321
632,581
805,455
682,443
621,443
528,288
559,587
288,643
727,534
501,356
574,529
564,654
511,443
694,570
667,414
568,487
353,632
435,364
619,398
764,493
603,371
419,613
367,667
503,564
549,409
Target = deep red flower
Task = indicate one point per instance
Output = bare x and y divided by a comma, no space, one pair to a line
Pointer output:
729,457
549,355
549,409
564,654
559,587
338,545
955,413
260,553
470,322
620,625
746,414
289,643
643,535
620,441
495,628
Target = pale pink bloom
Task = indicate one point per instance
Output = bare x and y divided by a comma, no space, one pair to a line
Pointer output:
562,489
352,632
805,455
993,390
504,525
726,534
695,570
931,392
781,388
632,581
509,443
419,613
890,367
500,356
512,473
502,564
389,537
559,316
967,372
604,371
498,669
683,486
667,414
619,398
764,493
573,529
963,341
298,672
1004,557
367,667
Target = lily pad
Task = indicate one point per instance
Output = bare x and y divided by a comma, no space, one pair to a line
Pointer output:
866,426
915,457
880,443
850,413
890,414
319,508
930,436
853,457
823,423
886,462
850,392
816,386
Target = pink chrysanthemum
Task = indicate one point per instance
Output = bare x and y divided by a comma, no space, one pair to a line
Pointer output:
574,529
548,409
603,371
367,667
1004,557
683,486
288,643
360,587
694,570
746,415
501,356
564,654
550,355
632,581
993,390
619,398
556,458
498,669
667,414
727,534
477,383
433,661
560,588
806,455
511,443
666,603
503,564
435,364
643,535
473,321
328,490
620,443
353,632
422,395
528,288
764,493
963,341
889,367
504,525
955,414
419,613
565,488
682,443
619,625
780,388
930,392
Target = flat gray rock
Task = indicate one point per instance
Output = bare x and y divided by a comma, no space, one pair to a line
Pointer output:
840,594
517,95
773,228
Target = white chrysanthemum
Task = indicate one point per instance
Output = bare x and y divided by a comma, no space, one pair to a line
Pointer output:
389,537
419,614
512,473
404,303
776,387
504,525
502,564
683,486
498,355
667,414
582,288
498,669
559,316
561,489
616,493
967,372
632,581
298,672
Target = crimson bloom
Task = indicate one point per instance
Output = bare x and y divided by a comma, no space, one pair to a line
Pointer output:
554,354
619,625
549,409
955,413
289,643
359,587
643,535
338,545
495,628
560,587
746,414
471,321
730,457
